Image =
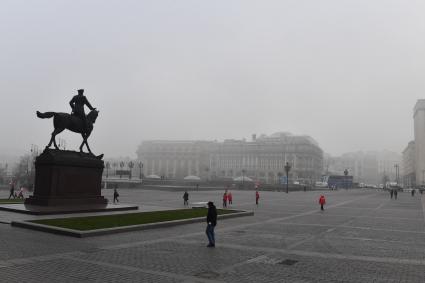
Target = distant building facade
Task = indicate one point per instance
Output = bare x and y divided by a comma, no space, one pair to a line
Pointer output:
262,159
419,133
408,167
176,159
370,167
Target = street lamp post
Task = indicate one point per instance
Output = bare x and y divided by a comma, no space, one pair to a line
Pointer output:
345,179
287,169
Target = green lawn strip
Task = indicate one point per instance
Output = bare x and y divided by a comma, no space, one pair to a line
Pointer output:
128,219
11,201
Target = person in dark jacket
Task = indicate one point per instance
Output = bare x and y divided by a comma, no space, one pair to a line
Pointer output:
116,195
211,223
12,190
186,198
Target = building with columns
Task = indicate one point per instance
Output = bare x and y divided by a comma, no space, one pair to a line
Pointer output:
176,159
419,133
262,159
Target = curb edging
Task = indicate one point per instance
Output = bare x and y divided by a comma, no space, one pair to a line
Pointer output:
108,231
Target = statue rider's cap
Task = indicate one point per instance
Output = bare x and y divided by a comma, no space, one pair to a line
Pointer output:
81,90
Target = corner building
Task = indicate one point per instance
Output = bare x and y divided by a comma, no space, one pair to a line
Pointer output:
419,131
408,168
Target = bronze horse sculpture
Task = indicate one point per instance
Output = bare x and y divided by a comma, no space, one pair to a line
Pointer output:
62,121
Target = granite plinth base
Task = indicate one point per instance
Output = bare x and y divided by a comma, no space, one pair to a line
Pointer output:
67,178
65,209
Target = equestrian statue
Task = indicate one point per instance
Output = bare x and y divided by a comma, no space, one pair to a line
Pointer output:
76,122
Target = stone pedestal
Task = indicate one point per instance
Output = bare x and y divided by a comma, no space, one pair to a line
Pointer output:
67,178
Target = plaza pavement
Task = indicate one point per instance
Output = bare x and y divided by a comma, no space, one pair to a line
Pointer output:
362,236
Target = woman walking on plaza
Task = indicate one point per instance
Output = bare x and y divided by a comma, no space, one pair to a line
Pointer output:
257,197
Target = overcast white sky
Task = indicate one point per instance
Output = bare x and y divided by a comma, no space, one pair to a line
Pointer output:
346,72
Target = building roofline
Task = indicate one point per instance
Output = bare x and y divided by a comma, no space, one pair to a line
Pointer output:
420,105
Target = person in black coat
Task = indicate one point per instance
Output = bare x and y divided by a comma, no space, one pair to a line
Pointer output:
186,198
211,223
116,195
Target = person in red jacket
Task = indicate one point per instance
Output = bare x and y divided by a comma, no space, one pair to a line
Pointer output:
322,202
225,199
229,198
257,197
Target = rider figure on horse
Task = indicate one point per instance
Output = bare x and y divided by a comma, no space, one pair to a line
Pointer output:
77,104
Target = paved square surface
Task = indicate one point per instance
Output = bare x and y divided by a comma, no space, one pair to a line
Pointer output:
362,236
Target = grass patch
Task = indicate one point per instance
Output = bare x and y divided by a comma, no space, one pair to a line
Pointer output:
11,201
128,219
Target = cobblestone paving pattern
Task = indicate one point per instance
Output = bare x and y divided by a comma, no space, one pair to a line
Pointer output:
362,236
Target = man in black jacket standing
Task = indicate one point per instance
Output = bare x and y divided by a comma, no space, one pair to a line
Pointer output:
211,223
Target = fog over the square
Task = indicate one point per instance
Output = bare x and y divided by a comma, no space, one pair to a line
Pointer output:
347,73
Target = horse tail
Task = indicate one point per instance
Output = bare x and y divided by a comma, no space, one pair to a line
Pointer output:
45,115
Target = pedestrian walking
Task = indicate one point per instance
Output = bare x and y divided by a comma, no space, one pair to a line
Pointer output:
413,192
257,197
230,198
12,189
116,195
186,198
211,223
391,193
225,199
395,193
305,188
322,202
